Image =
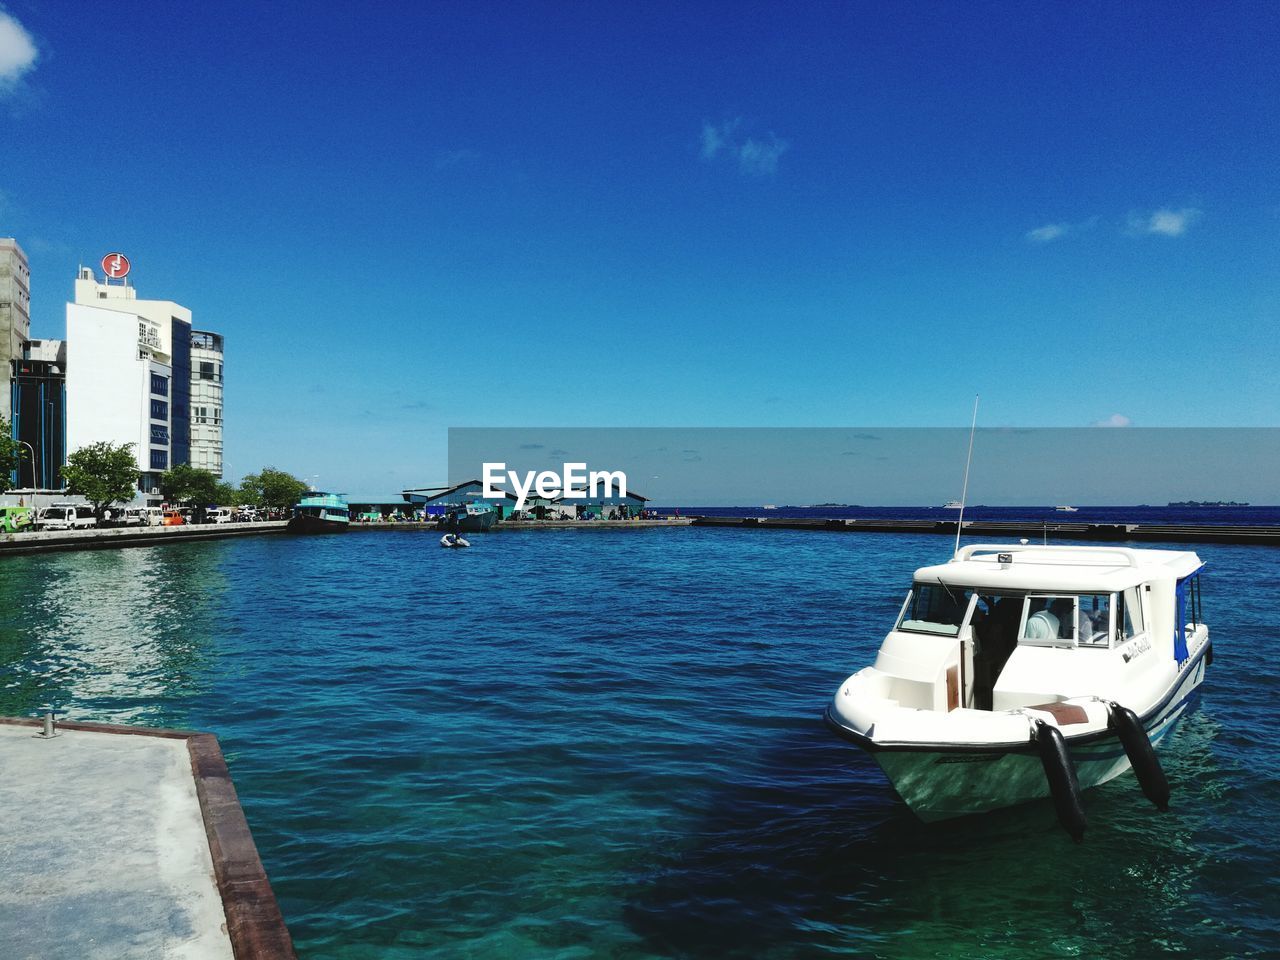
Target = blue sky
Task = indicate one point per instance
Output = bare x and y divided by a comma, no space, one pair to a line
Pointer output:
406,217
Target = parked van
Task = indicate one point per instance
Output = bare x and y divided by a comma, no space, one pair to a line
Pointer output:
66,516
217,515
173,518
13,519
143,517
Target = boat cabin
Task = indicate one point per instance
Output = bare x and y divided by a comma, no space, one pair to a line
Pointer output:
1000,627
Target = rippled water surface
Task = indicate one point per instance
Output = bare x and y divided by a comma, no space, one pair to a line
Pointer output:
608,744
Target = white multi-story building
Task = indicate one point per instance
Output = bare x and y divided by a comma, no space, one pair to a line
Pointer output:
206,401
129,375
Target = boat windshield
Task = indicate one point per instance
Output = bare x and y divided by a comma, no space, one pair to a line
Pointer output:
935,608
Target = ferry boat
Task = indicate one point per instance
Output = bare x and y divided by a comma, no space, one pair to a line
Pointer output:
953,505
320,512
1017,672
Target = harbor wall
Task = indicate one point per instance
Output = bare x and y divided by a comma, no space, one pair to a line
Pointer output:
115,537
44,541
1006,530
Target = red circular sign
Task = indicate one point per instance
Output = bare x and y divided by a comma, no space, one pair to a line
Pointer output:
115,265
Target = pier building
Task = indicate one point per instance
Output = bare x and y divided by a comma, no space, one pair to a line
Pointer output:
438,500
627,507
15,314
206,401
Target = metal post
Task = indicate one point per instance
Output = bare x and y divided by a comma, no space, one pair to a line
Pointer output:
49,730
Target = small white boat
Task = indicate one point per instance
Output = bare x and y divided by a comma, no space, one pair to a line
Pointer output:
1017,672
1066,509
953,505
453,541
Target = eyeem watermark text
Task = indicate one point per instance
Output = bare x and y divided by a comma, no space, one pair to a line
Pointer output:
576,482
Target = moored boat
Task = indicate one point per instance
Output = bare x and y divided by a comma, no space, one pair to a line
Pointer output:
320,512
1017,672
473,518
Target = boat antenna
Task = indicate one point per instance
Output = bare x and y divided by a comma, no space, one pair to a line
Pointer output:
964,492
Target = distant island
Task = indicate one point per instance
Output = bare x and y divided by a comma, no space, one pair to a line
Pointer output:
1207,503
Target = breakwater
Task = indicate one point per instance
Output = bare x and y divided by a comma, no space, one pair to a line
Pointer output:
46,541
1014,529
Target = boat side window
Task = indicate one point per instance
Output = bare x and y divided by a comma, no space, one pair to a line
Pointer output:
1093,622
1050,620
934,608
1133,622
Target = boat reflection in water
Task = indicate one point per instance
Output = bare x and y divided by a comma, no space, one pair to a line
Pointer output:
320,513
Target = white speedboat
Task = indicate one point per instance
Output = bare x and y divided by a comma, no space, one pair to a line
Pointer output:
1020,672
452,541
1064,508
953,505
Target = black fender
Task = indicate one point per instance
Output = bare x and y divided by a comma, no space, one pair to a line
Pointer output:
1142,756
1064,785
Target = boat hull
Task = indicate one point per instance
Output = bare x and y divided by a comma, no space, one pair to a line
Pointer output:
942,781
310,524
471,522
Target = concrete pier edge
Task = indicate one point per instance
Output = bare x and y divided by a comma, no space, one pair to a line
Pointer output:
255,924
111,538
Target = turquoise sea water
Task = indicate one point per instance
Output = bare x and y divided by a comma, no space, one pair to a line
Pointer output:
609,744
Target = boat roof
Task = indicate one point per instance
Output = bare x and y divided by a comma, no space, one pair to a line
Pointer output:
1072,569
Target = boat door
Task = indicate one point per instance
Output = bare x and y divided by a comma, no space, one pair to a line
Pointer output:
960,675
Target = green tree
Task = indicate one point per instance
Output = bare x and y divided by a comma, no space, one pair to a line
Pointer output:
248,493
103,473
10,452
184,483
272,488
225,495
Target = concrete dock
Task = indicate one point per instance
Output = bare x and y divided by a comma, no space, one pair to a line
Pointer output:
108,538
127,842
1006,530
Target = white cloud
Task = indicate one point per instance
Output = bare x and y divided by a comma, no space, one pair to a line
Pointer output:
1164,222
1050,231
757,156
17,52
1115,420
714,138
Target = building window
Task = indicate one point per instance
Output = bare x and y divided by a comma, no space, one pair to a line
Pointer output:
206,370
159,410
159,434
159,460
159,385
